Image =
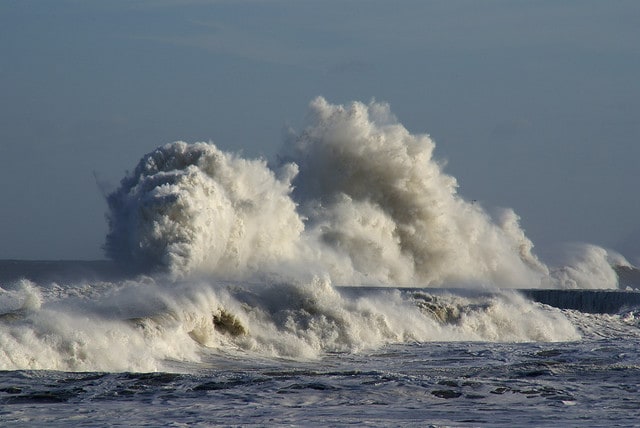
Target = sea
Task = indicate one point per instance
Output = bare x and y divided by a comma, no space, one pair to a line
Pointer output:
90,351
346,283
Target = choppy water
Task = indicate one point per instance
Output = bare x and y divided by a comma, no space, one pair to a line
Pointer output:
587,383
591,380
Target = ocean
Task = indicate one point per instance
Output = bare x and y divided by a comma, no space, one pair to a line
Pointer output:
90,352
347,284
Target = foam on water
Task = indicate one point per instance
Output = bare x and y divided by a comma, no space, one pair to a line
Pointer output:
144,325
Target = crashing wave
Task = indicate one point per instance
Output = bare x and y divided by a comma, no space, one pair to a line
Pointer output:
357,197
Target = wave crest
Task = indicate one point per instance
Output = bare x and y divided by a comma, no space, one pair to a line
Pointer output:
356,197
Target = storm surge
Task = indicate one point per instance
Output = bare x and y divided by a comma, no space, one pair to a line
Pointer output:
355,197
355,239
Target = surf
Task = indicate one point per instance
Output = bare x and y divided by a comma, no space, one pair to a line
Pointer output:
355,238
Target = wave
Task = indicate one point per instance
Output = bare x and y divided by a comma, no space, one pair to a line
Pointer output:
225,255
147,324
163,324
355,196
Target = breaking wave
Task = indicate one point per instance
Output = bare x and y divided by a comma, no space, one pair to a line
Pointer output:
296,259
356,196
147,324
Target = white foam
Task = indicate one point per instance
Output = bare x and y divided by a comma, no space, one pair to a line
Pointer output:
85,332
143,326
358,199
378,197
586,266
370,205
194,208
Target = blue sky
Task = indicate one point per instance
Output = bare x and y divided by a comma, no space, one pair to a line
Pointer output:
534,105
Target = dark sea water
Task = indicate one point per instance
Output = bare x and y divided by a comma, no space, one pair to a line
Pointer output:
84,345
592,383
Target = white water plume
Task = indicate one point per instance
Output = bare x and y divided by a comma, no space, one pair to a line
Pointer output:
194,208
255,255
586,266
356,197
377,195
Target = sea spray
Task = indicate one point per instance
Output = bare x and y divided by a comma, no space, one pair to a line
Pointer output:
75,329
586,266
356,196
192,208
377,196
146,325
243,257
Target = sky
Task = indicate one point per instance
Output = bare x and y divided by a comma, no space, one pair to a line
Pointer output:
532,105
